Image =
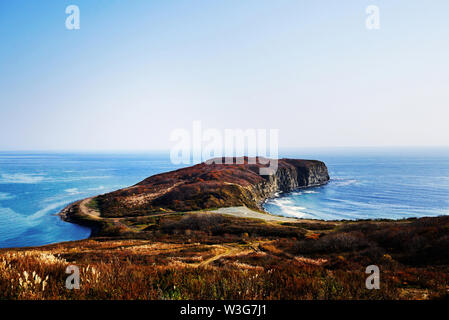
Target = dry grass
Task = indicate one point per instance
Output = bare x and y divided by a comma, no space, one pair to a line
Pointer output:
187,258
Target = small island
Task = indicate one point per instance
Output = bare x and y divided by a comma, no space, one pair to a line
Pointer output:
201,233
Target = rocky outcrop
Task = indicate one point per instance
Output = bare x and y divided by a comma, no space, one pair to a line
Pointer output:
211,185
293,174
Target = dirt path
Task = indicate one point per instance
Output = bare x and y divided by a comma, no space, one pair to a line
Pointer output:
229,251
240,212
85,210
83,206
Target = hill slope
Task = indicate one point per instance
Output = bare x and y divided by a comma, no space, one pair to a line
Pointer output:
211,185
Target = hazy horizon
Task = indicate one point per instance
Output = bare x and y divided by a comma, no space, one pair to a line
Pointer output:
281,150
136,71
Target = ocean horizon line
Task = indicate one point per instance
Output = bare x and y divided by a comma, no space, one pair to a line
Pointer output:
156,150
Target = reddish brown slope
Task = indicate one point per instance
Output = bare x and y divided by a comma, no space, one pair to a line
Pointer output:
206,186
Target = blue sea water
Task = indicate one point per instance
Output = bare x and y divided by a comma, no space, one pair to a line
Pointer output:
34,187
365,183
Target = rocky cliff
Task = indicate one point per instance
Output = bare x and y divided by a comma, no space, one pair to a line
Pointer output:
211,185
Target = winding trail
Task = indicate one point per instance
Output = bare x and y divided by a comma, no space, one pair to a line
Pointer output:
230,250
84,209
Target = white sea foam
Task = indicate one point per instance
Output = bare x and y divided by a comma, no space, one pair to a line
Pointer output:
45,210
287,207
293,211
72,179
6,196
345,182
13,224
72,191
97,188
26,178
282,201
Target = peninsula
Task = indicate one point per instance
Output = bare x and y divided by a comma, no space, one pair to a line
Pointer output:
206,186
201,233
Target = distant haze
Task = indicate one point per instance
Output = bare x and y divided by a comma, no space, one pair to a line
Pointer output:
137,70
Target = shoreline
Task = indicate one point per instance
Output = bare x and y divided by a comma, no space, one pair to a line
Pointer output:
238,182
233,249
203,187
75,213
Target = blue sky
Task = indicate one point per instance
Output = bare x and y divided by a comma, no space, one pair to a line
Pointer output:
137,70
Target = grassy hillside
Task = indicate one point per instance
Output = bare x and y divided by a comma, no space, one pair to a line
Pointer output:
209,256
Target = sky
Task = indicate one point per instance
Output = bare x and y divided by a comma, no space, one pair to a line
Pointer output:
137,70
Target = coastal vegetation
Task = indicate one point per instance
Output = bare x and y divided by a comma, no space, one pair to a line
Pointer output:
163,239
211,185
209,256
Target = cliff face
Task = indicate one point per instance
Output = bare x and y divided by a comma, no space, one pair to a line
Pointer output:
207,186
290,175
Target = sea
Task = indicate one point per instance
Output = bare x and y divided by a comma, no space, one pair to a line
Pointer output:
366,183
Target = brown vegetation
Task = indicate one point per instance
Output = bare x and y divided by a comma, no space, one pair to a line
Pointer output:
210,185
207,256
